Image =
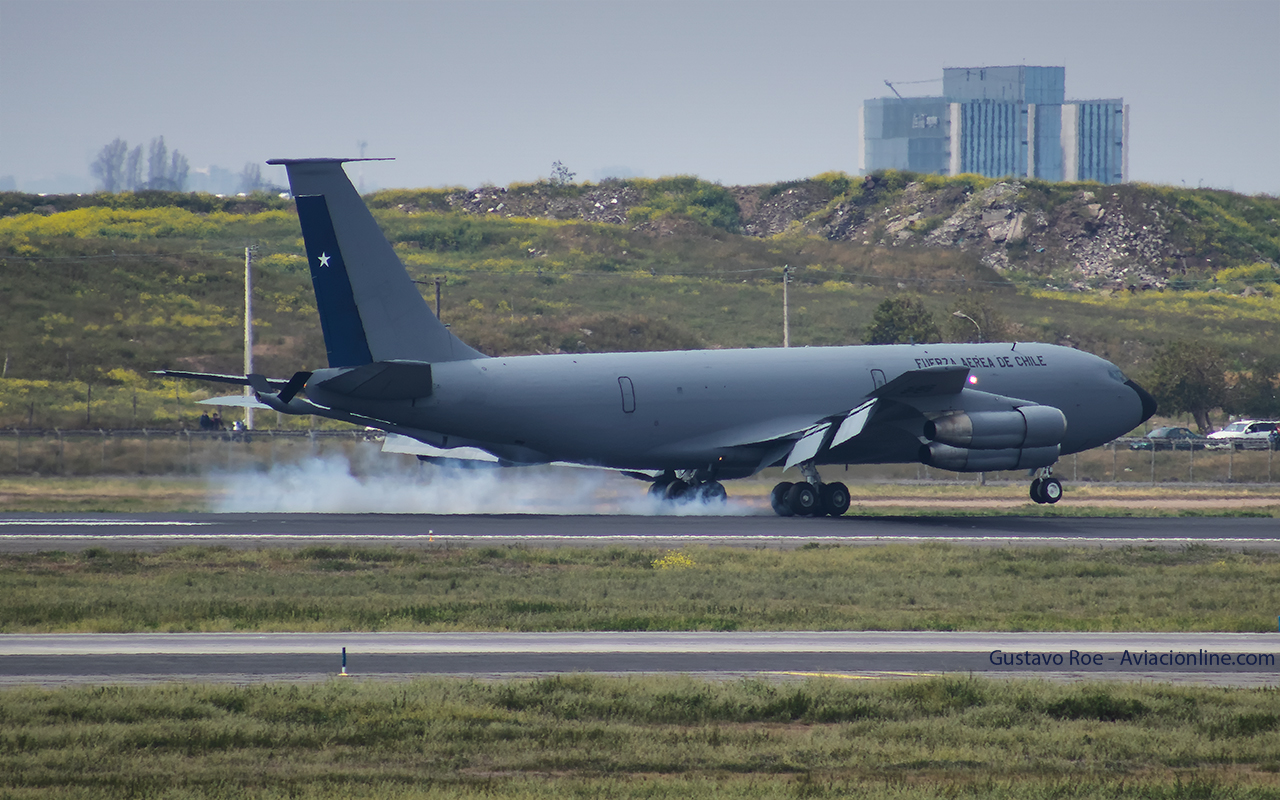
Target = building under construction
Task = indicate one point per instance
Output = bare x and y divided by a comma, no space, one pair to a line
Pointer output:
998,121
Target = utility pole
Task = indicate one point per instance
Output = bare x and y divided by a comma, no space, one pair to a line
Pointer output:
786,307
248,330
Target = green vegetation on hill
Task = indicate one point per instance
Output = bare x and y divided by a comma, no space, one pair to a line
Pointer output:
97,290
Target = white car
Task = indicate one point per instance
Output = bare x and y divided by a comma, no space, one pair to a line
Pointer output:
1248,434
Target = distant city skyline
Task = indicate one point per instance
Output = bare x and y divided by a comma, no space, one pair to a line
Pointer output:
470,92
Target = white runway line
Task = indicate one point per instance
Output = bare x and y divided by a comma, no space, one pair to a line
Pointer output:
700,642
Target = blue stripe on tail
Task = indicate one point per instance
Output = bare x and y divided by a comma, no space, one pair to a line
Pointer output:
344,336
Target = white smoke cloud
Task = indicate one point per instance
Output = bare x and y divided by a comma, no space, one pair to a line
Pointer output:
329,484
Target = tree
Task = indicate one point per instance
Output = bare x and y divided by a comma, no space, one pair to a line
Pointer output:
988,325
108,167
1188,377
133,170
900,320
560,174
1256,392
157,164
178,170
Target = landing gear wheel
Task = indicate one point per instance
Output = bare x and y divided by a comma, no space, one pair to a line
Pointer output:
712,492
834,499
1035,491
778,499
802,499
676,491
656,489
1051,490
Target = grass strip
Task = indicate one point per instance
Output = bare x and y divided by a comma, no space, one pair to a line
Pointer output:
653,737
932,586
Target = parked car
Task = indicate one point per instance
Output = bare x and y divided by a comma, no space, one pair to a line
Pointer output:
1171,439
1247,434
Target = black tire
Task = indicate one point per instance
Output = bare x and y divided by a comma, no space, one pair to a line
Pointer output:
675,491
802,499
834,498
712,492
657,488
1035,491
1051,490
778,499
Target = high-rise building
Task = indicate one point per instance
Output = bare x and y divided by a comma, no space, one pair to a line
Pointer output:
999,121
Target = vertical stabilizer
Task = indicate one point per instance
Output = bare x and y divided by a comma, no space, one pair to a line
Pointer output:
369,308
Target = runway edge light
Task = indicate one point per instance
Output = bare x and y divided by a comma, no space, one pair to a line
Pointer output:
343,674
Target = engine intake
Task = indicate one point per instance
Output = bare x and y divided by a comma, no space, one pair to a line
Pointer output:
1024,427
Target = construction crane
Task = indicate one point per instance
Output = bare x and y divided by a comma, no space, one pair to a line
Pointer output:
904,83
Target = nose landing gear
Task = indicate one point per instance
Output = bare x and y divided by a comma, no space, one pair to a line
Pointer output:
1045,488
810,497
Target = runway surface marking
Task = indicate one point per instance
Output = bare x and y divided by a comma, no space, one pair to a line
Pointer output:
878,676
430,538
684,642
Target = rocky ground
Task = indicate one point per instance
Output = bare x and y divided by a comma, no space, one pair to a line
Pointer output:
1086,236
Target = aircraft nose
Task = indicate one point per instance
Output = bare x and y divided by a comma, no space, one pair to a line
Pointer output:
1148,402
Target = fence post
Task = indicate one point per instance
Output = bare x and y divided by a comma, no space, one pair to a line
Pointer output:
1231,462
1153,463
188,435
146,451
1191,465
62,461
1115,466
103,465
17,455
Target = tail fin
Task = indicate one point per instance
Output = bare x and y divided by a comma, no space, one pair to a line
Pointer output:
369,308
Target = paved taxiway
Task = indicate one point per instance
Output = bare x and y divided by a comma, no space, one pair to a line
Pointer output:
1224,658
34,532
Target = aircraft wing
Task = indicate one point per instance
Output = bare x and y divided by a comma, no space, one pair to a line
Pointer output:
809,441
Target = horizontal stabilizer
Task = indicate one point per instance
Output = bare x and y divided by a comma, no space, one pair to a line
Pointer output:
234,401
383,380
213,377
395,443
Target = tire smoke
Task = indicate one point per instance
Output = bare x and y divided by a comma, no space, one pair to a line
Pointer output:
329,484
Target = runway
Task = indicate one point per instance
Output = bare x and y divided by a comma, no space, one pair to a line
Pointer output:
1215,658
35,532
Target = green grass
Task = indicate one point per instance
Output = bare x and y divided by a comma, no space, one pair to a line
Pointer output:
891,587
587,736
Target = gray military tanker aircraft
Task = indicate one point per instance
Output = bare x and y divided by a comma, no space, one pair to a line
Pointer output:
684,421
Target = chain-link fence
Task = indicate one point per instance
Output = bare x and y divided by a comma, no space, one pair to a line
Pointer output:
149,452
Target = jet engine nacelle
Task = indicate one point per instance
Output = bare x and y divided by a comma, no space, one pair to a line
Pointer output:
963,459
1023,428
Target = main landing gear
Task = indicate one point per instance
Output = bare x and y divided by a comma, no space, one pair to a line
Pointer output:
809,498
686,487
1045,488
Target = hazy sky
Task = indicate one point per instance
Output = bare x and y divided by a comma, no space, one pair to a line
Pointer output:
495,91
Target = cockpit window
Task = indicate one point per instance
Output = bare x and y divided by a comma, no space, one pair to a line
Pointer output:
1117,375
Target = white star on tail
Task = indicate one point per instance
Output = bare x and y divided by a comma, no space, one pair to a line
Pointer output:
324,260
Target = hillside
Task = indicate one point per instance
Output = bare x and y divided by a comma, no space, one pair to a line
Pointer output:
1078,236
97,290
